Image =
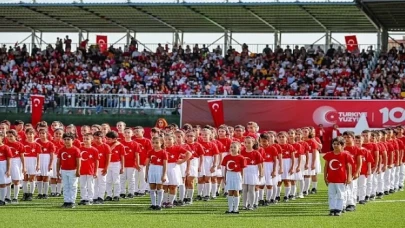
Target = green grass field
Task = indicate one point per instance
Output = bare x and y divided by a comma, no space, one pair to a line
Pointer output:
309,212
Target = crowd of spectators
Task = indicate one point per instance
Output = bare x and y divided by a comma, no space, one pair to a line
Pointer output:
199,70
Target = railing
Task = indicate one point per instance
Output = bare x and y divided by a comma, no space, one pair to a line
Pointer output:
124,104
254,48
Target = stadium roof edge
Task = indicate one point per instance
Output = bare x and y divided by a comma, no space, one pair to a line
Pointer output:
179,4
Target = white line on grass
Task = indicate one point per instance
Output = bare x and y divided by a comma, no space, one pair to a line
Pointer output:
210,205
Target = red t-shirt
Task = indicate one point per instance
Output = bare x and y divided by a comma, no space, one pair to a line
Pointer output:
59,144
210,149
16,149
365,159
337,166
226,142
287,150
373,150
5,153
196,150
31,150
234,163
253,157
117,150
390,152
68,158
174,152
270,153
103,151
299,150
312,145
89,159
221,147
131,148
145,145
46,147
157,157
382,151
355,153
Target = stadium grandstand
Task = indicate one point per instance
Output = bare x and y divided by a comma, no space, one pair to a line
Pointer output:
140,76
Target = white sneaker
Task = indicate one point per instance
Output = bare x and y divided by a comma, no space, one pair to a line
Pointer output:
301,196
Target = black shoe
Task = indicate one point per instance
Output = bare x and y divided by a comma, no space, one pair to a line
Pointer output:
255,206
44,196
331,212
100,201
58,195
362,202
175,203
136,194
372,197
122,196
206,198
272,201
386,193
39,196
367,198
72,205
217,194
392,191
305,193
116,198
108,198
261,202
290,197
82,202
235,212
140,194
285,199
130,196
344,210
266,203
64,205
24,198
152,207
29,197
350,208
198,198
14,201
2,203
7,201
86,202
158,208
225,194
278,198
181,203
314,191
186,200
228,212
52,195
338,213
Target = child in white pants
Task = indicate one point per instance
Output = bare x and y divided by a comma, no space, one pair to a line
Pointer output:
337,174
88,169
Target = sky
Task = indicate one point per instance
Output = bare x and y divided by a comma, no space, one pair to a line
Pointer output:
255,41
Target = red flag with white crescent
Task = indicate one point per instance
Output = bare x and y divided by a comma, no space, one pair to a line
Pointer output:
102,42
217,111
351,43
37,103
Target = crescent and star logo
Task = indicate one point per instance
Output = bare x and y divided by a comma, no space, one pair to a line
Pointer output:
325,115
36,102
332,165
215,107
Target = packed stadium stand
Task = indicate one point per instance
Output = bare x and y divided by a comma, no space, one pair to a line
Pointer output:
133,72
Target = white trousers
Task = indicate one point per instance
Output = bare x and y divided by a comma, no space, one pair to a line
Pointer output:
387,179
351,194
396,178
87,187
336,192
100,185
140,185
392,177
401,175
370,185
362,187
127,176
113,179
69,181
380,182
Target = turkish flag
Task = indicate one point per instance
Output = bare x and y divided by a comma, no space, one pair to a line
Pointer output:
37,104
102,42
217,111
351,43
